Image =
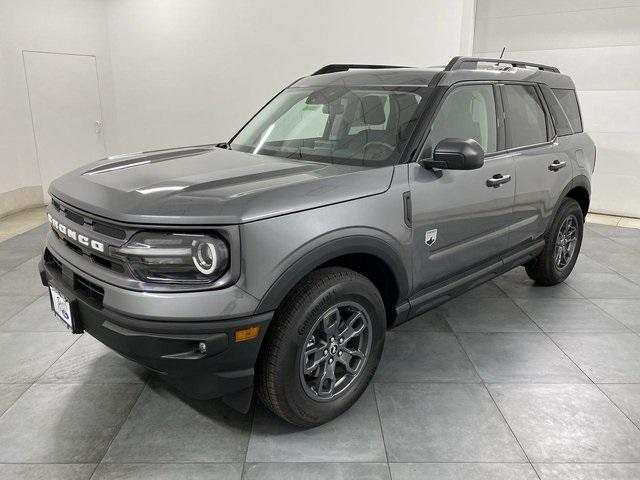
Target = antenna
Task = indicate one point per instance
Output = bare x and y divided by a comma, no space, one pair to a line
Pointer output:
502,53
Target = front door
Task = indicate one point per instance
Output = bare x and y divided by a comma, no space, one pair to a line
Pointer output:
461,218
65,110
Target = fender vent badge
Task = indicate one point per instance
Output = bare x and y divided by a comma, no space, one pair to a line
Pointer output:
431,236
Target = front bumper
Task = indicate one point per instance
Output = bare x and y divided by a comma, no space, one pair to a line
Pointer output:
166,346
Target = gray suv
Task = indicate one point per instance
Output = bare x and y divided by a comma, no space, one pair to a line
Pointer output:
357,198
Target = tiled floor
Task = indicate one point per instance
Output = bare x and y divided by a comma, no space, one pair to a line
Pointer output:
511,381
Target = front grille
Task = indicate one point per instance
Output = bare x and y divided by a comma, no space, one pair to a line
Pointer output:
74,217
103,261
109,231
82,287
88,290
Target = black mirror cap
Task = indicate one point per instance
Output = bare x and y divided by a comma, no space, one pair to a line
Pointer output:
456,154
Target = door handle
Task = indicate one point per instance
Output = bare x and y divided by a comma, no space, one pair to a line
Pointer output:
497,180
557,165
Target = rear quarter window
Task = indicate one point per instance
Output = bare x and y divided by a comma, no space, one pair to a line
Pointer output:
569,102
560,120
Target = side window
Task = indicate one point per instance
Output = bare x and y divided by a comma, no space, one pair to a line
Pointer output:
560,120
569,102
526,122
467,112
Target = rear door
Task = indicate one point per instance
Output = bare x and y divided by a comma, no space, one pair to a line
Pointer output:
459,220
542,169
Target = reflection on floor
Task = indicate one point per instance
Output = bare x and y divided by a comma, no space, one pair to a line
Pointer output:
510,381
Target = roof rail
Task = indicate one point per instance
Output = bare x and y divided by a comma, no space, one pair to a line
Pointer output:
343,67
459,63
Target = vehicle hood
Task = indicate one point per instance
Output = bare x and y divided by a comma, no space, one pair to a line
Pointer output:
210,185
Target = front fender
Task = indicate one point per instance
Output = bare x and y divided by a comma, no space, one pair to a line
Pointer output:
332,246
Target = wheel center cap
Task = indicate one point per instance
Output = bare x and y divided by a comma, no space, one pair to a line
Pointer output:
333,349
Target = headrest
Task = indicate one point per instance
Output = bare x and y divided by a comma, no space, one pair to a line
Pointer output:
373,110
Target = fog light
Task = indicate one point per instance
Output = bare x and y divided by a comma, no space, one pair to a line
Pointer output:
202,347
247,333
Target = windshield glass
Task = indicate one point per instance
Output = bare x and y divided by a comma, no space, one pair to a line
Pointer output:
366,126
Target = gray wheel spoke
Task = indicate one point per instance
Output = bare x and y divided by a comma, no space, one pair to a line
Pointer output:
350,332
318,358
336,350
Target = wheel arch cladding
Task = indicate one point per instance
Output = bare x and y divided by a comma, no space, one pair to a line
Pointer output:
372,257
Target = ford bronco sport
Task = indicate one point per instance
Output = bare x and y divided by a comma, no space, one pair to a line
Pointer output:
358,197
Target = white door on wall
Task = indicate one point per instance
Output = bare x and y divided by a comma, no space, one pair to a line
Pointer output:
64,97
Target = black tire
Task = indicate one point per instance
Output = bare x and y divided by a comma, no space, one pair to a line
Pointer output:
280,382
544,269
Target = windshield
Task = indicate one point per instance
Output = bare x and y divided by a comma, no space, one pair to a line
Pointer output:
366,126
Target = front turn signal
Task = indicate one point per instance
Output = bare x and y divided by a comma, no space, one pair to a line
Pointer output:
247,333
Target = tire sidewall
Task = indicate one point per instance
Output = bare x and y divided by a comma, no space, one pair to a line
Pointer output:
568,207
356,289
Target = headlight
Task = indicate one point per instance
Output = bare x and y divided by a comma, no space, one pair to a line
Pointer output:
178,258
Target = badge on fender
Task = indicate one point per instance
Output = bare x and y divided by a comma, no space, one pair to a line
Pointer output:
431,236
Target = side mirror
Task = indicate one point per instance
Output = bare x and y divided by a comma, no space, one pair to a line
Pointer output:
456,154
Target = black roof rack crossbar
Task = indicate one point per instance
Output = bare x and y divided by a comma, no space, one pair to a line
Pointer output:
459,63
343,67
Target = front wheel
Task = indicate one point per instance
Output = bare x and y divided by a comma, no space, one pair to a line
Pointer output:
323,347
563,241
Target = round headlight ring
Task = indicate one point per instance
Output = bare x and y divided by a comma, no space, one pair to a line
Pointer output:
205,256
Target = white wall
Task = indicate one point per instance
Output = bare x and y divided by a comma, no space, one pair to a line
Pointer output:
597,42
194,71
61,26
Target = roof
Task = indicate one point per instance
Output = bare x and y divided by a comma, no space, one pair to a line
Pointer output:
458,70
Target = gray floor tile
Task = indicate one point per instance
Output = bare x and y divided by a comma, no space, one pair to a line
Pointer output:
46,472
613,231
485,291
89,361
431,321
353,437
626,311
459,471
593,471
586,264
21,248
603,285
36,317
627,397
567,423
167,427
569,315
604,357
424,357
66,423
317,471
593,245
516,284
22,280
494,315
164,471
24,356
443,423
11,305
9,393
519,358
630,242
628,262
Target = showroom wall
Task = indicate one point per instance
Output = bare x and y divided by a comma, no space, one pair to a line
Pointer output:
193,72
63,26
597,42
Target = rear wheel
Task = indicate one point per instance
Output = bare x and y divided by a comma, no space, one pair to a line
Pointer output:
563,241
322,348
